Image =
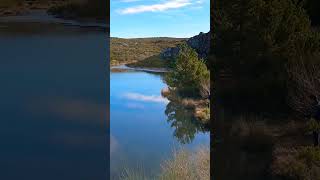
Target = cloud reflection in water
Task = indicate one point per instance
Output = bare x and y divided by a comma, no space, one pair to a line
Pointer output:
145,98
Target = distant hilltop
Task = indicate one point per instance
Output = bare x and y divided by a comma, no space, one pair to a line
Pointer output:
201,43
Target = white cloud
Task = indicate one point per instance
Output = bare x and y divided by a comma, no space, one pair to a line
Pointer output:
199,2
145,98
166,5
128,1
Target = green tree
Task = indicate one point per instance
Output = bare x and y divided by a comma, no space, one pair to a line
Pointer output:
188,73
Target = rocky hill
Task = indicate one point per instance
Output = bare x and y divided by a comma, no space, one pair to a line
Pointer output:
201,43
124,51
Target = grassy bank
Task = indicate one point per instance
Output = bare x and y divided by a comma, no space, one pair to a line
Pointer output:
141,52
199,106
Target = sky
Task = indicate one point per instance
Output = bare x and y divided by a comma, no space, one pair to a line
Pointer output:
159,18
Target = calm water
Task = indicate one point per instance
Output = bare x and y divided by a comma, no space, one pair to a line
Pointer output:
146,128
54,96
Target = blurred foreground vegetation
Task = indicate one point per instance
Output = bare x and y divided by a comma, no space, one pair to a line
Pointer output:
265,61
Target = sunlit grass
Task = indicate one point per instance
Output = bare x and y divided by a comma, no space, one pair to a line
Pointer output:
184,164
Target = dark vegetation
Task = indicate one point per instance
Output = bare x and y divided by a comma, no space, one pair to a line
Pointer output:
255,43
265,60
141,52
98,9
75,9
16,7
312,7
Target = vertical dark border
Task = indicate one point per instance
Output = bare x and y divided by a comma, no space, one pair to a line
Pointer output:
212,87
108,90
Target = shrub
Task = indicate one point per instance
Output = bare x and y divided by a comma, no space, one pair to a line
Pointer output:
188,73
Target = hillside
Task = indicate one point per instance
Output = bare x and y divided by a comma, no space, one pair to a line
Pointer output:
17,7
200,43
71,9
125,51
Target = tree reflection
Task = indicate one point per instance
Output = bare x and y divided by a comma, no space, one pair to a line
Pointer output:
185,124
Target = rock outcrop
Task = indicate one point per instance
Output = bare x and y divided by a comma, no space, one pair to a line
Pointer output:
201,43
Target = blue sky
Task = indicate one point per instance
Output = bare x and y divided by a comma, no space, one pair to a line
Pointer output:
159,18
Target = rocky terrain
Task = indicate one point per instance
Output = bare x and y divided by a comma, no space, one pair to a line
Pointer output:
154,52
201,43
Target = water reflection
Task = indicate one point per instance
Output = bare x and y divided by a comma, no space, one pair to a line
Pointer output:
183,121
54,97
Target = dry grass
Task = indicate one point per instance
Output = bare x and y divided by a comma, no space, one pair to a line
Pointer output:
133,50
200,107
297,163
203,114
202,163
180,167
137,174
184,165
188,166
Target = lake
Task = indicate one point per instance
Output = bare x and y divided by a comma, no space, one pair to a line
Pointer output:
145,128
54,101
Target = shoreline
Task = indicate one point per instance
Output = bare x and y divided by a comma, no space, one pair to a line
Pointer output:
199,106
125,67
42,16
